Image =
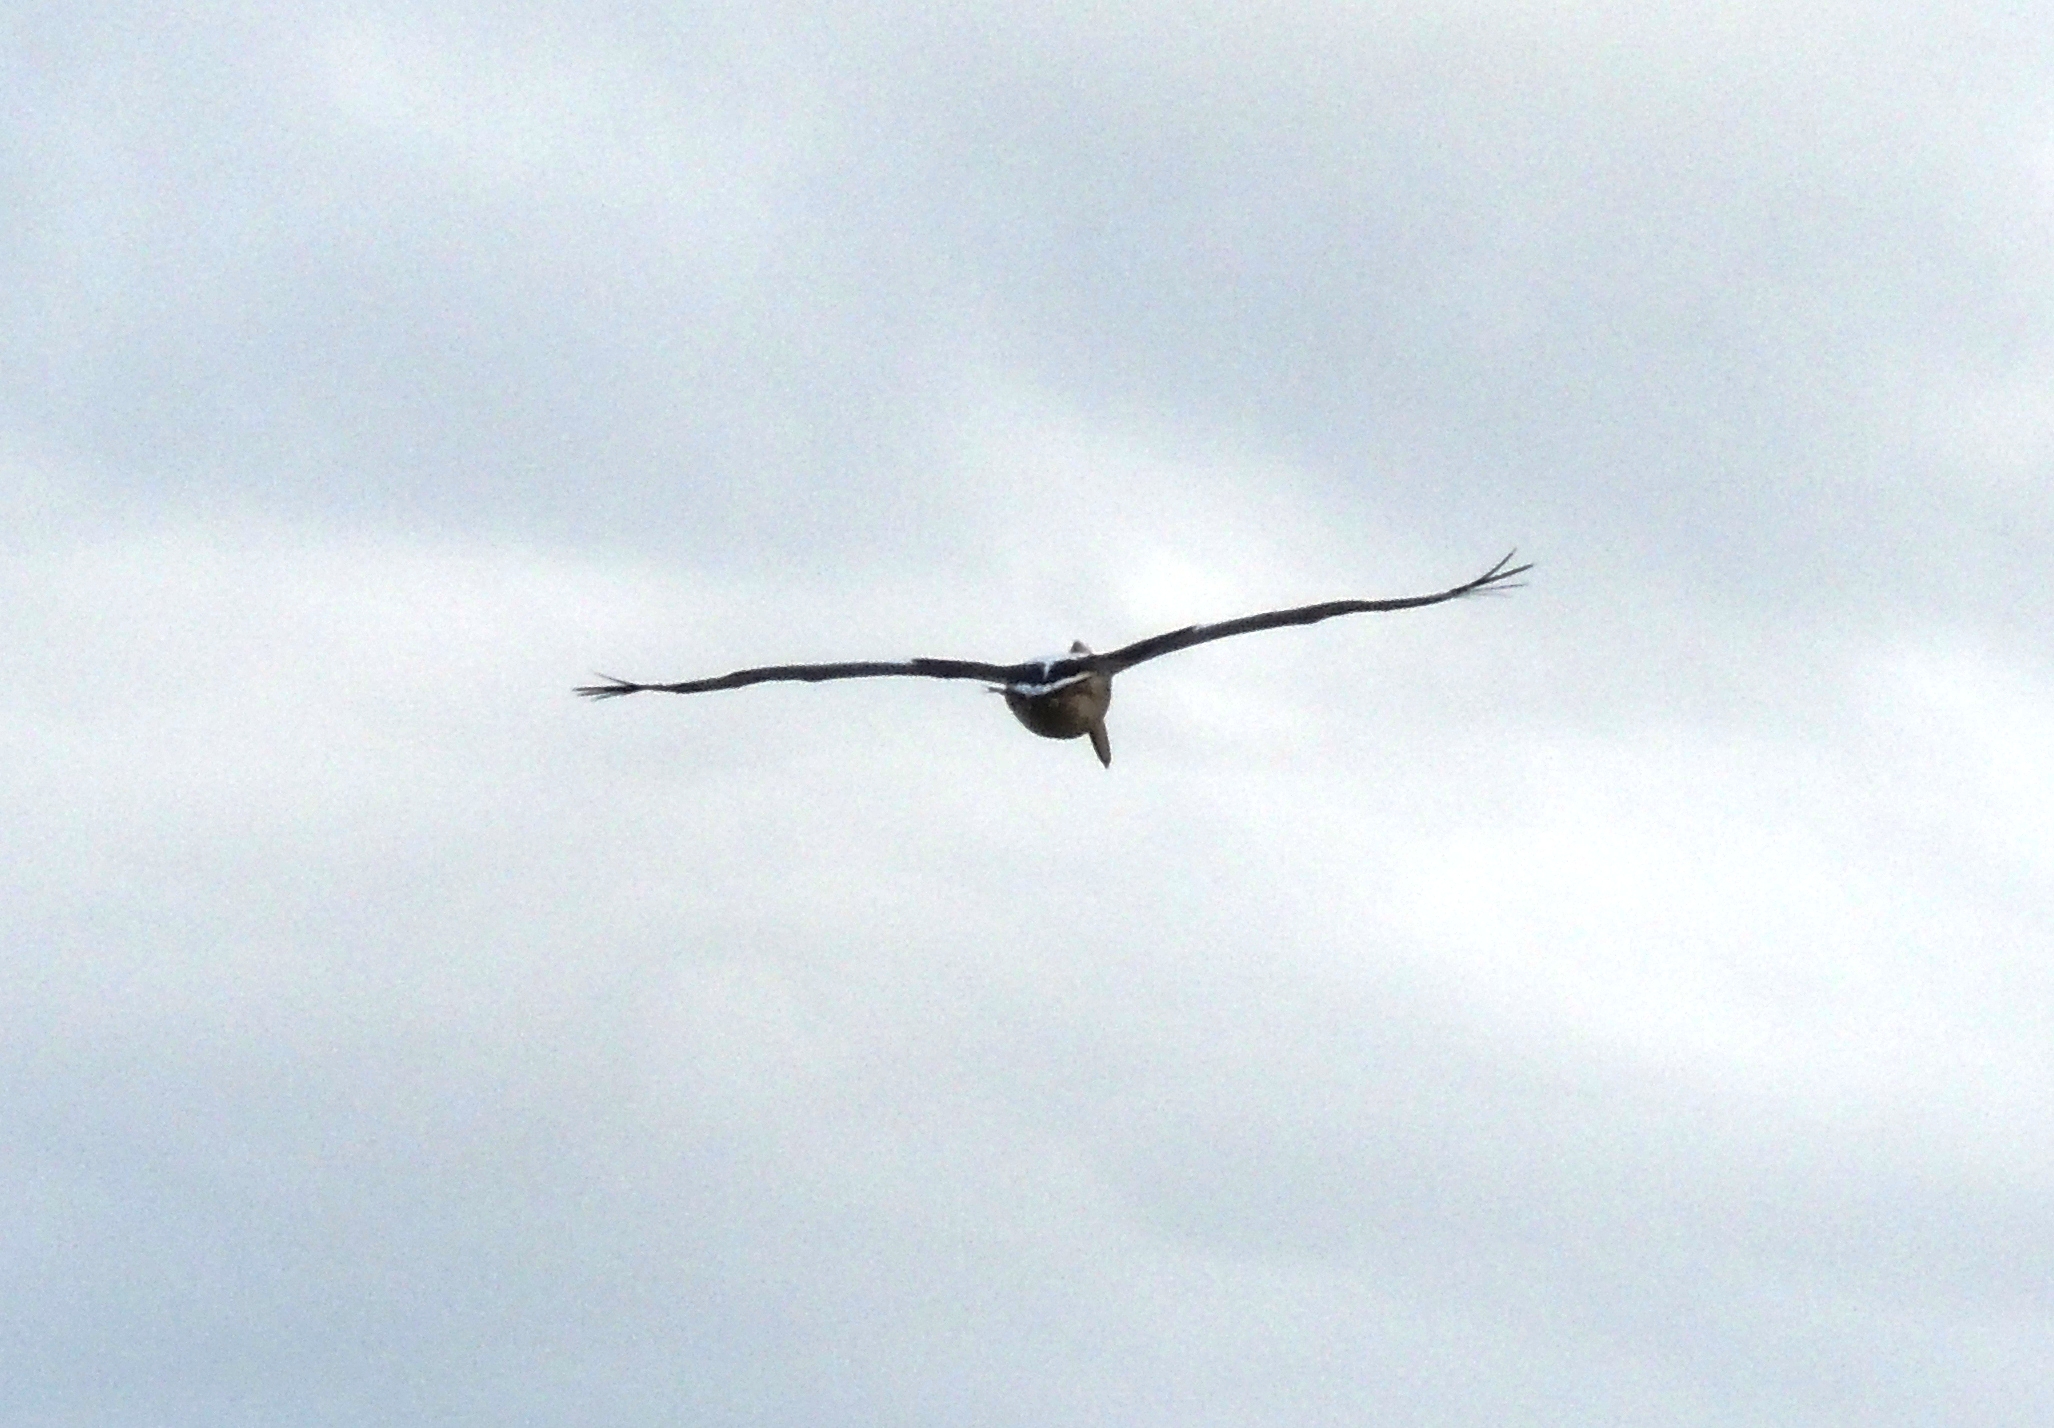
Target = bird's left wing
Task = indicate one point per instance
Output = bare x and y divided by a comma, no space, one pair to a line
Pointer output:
814,674
1499,577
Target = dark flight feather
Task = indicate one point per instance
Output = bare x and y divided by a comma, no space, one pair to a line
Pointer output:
813,674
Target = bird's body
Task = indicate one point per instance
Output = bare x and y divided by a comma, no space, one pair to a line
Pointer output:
1065,697
1068,707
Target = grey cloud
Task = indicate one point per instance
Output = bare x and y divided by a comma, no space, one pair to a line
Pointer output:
1619,1001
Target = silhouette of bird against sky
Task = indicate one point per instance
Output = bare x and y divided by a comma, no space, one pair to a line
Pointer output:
1066,696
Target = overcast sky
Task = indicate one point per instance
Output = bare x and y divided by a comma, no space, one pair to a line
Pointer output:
1628,1001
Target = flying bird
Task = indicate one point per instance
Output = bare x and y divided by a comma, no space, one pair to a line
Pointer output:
1066,696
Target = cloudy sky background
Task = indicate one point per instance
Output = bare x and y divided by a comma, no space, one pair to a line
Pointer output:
1625,1002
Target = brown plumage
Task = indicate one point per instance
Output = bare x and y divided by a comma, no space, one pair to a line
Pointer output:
1067,706
1066,697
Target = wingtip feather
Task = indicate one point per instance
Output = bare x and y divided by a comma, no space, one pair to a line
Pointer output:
1500,577
613,689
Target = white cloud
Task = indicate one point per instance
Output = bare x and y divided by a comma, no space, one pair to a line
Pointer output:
1621,1000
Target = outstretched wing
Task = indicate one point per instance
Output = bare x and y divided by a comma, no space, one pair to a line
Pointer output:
1499,577
1040,673
814,674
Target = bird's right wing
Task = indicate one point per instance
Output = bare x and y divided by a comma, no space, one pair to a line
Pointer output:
814,674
